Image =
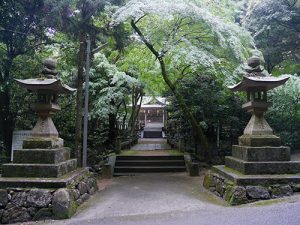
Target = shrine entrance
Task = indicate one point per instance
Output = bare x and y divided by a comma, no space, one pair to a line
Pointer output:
152,117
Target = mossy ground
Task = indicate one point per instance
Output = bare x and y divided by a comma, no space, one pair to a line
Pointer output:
150,152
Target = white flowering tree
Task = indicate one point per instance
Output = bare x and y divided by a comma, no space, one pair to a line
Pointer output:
109,90
184,37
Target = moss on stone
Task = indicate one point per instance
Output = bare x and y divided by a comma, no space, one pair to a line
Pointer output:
228,192
238,196
209,181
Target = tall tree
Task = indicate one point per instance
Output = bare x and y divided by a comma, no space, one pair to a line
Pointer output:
182,36
76,20
276,29
22,31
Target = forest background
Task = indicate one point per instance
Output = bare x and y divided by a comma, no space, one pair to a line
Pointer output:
187,51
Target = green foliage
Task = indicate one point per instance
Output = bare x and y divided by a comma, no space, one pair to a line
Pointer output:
188,34
108,87
276,28
284,115
214,107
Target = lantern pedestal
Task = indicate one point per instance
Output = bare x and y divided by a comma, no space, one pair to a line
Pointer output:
259,168
42,177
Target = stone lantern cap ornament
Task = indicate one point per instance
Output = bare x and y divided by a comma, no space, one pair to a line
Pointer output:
256,82
47,87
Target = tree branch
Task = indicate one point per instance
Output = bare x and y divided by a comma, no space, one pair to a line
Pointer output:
146,42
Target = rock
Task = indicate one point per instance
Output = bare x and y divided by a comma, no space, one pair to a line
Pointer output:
19,199
278,191
9,197
79,201
295,187
92,191
75,194
85,197
228,192
238,196
63,205
82,187
9,205
3,198
15,214
32,211
44,213
220,187
257,192
39,198
209,181
92,183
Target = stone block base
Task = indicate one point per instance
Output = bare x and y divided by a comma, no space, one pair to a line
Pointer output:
252,154
268,167
259,140
38,170
237,189
42,143
61,182
31,204
41,156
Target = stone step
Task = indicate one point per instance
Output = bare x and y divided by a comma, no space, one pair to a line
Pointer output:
152,134
41,156
160,157
150,163
38,170
148,169
267,167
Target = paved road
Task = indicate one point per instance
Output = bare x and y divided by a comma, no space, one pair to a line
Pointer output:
175,199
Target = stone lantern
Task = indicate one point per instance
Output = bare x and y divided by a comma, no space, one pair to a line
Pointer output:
259,168
47,88
43,181
43,154
256,84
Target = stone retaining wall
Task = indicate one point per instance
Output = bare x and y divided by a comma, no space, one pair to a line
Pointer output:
237,195
20,205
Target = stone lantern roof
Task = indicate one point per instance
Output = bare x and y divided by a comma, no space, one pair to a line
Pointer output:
257,78
51,85
48,81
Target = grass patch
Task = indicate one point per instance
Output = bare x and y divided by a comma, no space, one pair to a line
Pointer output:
267,202
128,152
172,152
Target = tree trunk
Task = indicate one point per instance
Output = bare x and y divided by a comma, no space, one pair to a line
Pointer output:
79,100
187,113
7,120
112,133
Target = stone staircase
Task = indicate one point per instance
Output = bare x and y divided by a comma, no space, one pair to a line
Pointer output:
152,132
134,165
